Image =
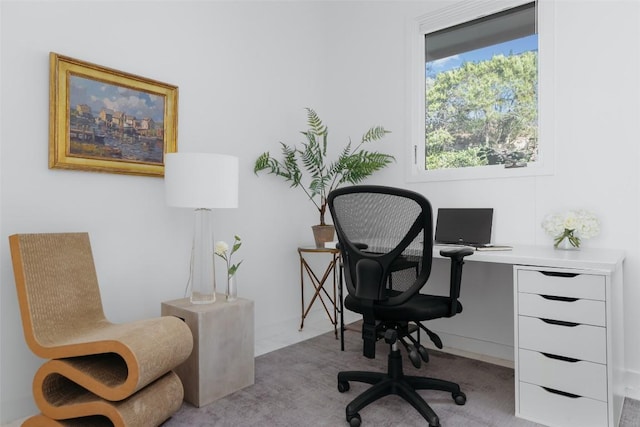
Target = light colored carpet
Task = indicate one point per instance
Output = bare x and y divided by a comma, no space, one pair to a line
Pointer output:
297,386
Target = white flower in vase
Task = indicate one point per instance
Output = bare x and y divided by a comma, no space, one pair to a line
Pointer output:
572,225
221,249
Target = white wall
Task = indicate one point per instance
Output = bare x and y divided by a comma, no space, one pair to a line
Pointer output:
245,71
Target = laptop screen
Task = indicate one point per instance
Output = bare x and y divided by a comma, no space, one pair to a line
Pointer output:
466,226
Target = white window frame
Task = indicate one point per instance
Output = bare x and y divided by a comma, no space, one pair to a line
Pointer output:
459,13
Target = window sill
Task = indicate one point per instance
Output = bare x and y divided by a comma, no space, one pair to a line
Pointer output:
479,172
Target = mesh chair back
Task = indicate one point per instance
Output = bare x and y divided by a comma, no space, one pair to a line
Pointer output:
377,227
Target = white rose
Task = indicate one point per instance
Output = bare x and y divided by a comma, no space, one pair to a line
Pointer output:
553,225
221,248
571,220
589,225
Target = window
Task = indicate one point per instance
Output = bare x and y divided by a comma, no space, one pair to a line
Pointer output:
479,105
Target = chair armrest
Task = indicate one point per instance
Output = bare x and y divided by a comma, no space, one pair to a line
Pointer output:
457,253
457,260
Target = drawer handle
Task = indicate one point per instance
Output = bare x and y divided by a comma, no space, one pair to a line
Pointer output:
559,322
563,358
561,393
558,274
556,298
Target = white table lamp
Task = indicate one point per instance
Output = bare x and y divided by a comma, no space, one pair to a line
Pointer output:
201,181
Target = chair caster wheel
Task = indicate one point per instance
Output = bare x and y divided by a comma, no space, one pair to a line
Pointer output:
460,398
343,386
354,420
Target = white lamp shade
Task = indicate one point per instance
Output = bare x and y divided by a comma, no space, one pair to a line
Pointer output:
201,180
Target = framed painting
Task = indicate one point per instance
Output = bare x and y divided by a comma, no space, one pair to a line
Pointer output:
106,120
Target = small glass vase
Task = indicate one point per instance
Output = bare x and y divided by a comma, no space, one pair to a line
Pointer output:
567,245
232,288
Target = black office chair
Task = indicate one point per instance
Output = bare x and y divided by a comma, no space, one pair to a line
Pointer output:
376,226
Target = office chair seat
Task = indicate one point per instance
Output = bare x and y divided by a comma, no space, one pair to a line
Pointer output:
420,308
384,230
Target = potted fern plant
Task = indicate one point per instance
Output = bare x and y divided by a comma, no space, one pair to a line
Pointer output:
307,167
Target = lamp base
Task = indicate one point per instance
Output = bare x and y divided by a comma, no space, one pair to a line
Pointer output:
203,280
200,298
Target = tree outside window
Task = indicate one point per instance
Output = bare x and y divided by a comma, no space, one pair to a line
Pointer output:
481,104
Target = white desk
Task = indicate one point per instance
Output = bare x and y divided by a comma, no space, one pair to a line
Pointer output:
569,367
568,333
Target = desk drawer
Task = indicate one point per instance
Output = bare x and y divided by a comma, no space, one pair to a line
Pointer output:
586,379
584,342
584,311
584,286
541,405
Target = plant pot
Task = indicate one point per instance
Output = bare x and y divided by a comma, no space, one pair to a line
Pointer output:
323,234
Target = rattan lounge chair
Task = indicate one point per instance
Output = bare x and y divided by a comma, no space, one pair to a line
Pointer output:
119,374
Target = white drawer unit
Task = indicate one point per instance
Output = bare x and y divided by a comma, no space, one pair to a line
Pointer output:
563,352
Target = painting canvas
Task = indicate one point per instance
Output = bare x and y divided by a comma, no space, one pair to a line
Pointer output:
109,121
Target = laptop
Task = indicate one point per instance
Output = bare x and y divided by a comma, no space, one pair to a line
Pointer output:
464,227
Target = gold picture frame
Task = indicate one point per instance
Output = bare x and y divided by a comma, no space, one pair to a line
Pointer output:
106,120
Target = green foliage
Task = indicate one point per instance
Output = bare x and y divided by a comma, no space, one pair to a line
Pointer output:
353,165
492,156
454,159
490,105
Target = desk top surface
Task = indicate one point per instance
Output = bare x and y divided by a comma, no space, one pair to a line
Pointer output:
533,255
547,256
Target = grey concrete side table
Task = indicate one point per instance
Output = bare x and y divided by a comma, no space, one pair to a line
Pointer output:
222,360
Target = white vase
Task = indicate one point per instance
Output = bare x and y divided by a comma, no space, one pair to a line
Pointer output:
566,245
232,288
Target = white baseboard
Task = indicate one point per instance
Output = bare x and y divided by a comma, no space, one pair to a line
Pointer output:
17,423
490,352
633,384
286,332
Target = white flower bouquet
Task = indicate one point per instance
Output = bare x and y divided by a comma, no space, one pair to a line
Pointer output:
571,225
